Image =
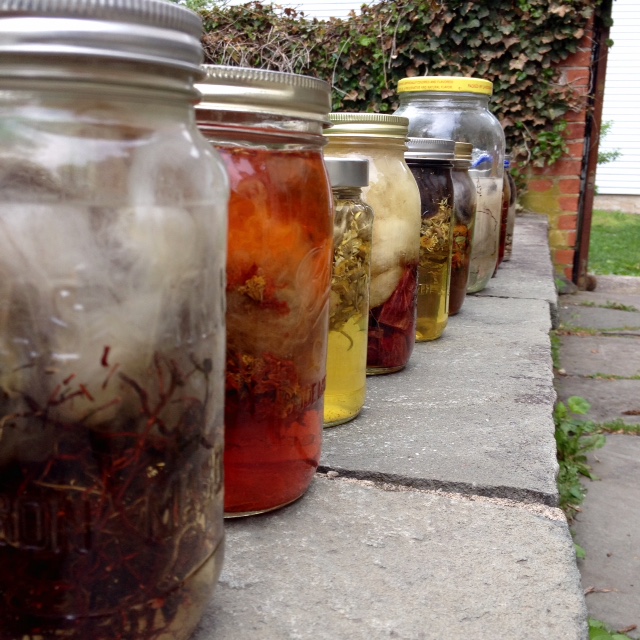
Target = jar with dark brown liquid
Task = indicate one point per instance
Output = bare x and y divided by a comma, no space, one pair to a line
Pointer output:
464,214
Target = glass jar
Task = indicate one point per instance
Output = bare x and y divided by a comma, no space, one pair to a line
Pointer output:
511,216
457,108
394,197
504,213
267,126
349,310
112,254
464,213
431,162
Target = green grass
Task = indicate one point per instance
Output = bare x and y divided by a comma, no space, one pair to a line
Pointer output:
615,244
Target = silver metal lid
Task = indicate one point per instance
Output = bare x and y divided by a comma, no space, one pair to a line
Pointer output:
377,125
430,149
348,172
155,32
263,91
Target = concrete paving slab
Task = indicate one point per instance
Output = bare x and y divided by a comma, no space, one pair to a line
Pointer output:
351,561
609,399
599,319
629,285
601,354
609,529
604,300
531,257
472,411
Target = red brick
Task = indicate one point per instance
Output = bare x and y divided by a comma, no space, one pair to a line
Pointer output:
569,186
563,256
571,238
565,167
577,116
540,185
568,222
568,272
577,77
575,149
569,203
574,131
581,58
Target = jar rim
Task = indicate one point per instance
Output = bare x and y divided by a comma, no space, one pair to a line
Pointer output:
446,84
367,124
249,90
151,32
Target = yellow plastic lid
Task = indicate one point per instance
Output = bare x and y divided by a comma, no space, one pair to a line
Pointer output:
451,84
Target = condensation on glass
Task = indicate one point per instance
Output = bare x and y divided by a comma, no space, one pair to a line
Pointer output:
267,126
112,255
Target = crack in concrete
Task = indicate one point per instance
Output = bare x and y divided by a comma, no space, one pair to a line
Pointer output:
550,512
514,494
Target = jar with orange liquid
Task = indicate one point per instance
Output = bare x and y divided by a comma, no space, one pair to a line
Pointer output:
267,126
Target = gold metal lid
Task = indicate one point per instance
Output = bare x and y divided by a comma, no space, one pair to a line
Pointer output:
446,84
247,90
367,124
463,151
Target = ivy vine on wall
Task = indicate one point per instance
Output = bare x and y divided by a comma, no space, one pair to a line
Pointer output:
517,44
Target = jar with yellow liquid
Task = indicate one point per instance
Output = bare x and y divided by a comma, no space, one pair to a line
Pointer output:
431,162
349,308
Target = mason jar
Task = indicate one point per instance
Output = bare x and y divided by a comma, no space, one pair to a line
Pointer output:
457,108
112,255
511,215
504,213
267,125
349,310
394,197
464,213
431,162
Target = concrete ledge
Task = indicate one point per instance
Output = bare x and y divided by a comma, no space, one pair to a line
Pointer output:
433,517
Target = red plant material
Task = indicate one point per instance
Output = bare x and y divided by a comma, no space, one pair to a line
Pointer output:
392,325
280,253
100,530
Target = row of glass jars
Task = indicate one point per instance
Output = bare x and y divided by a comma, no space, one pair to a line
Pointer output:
283,239
113,365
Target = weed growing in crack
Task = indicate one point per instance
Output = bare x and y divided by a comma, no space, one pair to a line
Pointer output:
575,438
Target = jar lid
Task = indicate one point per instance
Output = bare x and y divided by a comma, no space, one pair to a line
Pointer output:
464,151
147,31
430,149
367,124
348,172
446,84
247,90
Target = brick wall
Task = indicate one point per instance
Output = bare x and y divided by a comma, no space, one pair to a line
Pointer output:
555,190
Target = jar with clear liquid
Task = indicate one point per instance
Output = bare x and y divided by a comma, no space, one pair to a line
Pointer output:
349,311
431,162
112,254
457,108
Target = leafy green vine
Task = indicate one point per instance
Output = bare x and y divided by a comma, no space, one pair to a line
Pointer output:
518,45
